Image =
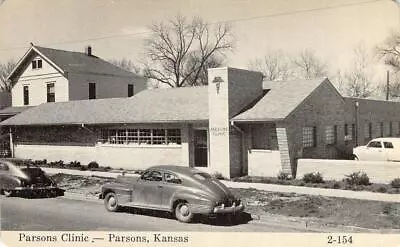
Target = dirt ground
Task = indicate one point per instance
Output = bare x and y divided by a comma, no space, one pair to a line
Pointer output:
324,210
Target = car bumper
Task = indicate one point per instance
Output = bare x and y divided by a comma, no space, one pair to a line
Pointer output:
38,190
227,210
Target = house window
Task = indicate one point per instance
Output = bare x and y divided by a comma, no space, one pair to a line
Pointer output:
390,129
348,129
330,135
381,129
368,131
26,95
353,131
130,90
37,63
92,90
398,129
309,136
140,136
51,94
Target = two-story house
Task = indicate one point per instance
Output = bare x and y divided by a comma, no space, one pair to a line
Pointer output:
49,75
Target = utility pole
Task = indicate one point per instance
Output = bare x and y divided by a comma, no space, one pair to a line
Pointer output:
387,85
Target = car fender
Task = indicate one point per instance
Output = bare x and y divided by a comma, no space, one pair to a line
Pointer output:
193,198
123,191
10,182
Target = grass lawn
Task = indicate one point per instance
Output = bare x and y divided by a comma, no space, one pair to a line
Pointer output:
324,210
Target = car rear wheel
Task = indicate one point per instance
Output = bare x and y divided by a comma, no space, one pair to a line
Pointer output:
111,202
183,213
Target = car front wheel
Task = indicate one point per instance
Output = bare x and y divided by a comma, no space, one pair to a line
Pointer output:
355,157
111,202
183,213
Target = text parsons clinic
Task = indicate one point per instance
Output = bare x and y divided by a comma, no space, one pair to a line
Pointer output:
110,237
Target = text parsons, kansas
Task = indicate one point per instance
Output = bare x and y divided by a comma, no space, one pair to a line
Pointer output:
109,237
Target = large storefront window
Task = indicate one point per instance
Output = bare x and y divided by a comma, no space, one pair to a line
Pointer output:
141,136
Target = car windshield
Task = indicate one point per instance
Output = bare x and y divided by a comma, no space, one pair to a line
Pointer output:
202,176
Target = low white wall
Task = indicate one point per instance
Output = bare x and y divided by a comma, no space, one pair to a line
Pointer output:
264,163
378,172
55,153
116,156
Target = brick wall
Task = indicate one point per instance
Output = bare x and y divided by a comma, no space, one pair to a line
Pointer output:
324,107
378,172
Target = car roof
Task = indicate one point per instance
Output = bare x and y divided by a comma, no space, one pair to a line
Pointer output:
178,169
392,139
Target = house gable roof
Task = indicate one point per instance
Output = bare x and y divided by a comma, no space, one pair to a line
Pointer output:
72,62
148,106
281,99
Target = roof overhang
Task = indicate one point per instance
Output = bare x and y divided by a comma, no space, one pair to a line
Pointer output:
26,55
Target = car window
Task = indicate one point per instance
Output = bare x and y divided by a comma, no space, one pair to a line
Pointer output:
171,178
388,144
375,144
152,176
3,167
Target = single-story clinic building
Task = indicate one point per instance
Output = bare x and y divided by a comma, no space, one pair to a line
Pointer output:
236,125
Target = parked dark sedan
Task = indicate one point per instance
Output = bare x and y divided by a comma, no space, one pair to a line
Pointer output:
26,181
180,190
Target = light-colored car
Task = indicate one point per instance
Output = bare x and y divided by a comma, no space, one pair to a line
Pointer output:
379,149
183,191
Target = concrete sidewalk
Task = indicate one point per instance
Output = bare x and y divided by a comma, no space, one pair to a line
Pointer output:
361,195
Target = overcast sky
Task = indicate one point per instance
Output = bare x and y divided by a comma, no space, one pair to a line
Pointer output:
330,27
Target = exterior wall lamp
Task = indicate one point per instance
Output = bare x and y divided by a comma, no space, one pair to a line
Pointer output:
217,80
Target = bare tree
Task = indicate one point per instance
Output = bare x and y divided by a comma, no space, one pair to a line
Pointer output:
5,70
307,65
389,51
126,64
274,66
359,78
180,50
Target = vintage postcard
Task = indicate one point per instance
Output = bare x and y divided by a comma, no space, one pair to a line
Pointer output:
186,123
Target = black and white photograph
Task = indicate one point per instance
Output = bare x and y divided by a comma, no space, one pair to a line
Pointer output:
235,116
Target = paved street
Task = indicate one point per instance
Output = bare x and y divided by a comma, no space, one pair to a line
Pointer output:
61,213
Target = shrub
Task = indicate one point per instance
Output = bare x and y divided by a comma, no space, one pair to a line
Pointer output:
336,185
314,177
93,165
283,176
395,183
382,189
218,175
357,178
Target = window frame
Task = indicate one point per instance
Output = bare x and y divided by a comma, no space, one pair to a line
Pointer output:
92,90
141,136
37,63
51,97
309,136
25,96
131,90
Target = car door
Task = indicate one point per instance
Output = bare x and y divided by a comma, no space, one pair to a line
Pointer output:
389,151
375,151
147,192
172,184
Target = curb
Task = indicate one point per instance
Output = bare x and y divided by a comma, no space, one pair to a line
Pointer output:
301,225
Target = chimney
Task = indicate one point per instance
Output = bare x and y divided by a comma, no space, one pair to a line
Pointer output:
88,50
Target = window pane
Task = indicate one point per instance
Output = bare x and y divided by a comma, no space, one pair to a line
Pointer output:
329,134
308,139
388,145
144,136
39,63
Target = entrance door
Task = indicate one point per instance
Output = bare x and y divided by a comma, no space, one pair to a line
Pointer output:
200,148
